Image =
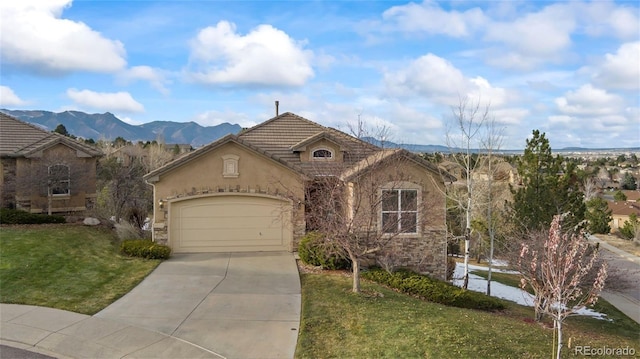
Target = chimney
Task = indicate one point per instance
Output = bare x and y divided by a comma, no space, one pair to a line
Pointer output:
277,105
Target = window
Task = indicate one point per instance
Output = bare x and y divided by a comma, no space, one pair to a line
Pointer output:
58,181
322,154
230,166
400,210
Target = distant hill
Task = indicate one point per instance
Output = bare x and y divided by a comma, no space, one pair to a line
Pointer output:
107,126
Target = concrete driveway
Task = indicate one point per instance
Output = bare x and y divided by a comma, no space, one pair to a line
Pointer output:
237,305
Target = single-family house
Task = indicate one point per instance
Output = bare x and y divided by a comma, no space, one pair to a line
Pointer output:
620,212
259,191
45,172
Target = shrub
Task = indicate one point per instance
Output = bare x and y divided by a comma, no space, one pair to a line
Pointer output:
145,248
451,267
433,290
15,216
315,250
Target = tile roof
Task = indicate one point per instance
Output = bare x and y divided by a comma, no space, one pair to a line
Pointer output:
282,137
624,208
282,134
19,139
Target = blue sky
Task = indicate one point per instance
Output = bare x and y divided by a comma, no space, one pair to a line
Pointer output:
570,69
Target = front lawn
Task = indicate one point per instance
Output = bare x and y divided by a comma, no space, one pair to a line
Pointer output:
68,267
385,324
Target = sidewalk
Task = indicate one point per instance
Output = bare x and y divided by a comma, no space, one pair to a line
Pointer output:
624,301
63,335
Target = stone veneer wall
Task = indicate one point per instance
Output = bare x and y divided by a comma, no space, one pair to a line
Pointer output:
8,183
424,255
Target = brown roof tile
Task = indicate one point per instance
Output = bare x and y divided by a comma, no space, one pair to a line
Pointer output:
18,139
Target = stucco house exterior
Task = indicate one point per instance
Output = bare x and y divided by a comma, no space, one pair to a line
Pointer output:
42,172
255,192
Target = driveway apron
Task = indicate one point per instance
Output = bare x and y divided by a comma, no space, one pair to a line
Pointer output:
238,305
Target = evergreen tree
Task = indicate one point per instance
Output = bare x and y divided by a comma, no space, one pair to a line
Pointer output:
629,182
549,187
598,216
619,196
62,130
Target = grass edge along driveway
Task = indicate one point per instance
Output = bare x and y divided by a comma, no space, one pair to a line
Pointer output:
381,323
70,267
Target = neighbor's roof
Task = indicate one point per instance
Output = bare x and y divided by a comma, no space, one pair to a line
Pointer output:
624,208
20,139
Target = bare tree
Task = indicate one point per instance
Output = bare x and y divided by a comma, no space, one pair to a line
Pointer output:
590,186
558,272
367,207
469,118
491,143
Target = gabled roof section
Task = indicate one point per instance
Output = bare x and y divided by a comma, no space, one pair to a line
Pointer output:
281,134
324,135
21,139
388,155
154,175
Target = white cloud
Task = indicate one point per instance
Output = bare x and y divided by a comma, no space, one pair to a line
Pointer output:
430,18
589,101
214,118
265,56
105,101
437,79
156,77
9,98
536,34
34,36
620,70
606,18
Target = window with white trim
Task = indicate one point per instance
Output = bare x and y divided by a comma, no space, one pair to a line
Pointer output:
399,211
322,154
59,181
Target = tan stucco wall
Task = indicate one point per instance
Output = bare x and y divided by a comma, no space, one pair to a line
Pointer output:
31,180
204,175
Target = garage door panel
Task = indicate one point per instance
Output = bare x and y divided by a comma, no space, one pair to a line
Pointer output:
230,223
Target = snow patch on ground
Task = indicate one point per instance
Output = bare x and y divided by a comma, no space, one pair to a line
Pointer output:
499,290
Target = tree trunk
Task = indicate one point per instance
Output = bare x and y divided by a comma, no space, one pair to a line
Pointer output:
559,329
356,275
467,244
49,201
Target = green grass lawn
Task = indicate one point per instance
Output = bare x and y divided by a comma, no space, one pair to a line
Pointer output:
385,324
68,267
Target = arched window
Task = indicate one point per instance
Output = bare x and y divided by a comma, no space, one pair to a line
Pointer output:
322,154
59,183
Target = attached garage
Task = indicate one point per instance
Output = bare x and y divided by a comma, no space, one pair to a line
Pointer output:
230,222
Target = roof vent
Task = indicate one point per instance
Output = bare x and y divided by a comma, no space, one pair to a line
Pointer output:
277,105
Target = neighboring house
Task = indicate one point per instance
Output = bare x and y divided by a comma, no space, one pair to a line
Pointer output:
254,192
620,212
44,172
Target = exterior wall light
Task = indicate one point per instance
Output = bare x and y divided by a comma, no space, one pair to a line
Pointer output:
161,204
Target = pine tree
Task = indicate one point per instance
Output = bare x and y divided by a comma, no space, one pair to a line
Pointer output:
549,187
598,216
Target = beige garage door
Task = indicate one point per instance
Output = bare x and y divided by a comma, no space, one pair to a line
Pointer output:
230,223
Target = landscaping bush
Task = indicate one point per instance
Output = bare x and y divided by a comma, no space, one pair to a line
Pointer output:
15,216
433,290
315,250
451,267
145,248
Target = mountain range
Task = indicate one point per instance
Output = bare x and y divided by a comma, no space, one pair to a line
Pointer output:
106,126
